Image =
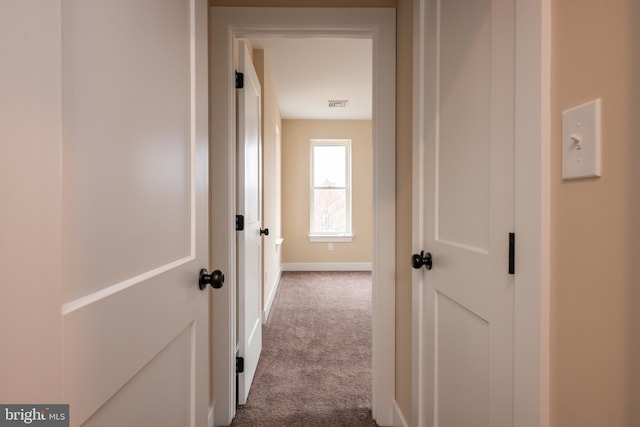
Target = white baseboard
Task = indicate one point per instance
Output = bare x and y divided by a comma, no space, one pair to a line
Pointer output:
327,266
398,417
272,295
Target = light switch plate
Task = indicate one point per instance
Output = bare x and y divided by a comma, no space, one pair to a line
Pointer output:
581,145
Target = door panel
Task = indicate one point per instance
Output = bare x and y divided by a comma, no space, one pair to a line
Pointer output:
249,240
127,144
169,373
464,123
468,298
463,365
134,211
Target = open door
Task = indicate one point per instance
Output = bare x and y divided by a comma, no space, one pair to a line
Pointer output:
249,204
135,192
467,289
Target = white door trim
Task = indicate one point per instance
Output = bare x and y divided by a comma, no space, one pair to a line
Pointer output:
378,24
532,218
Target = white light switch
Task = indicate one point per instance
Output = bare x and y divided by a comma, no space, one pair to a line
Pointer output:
581,141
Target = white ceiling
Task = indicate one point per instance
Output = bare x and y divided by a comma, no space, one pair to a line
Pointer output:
308,72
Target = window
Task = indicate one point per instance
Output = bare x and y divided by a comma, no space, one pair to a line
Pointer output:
330,190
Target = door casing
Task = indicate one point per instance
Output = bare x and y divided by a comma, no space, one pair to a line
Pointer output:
532,195
227,24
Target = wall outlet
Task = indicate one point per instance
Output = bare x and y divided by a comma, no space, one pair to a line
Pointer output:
330,246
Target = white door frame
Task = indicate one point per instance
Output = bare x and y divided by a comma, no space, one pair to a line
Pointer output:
377,24
532,194
249,242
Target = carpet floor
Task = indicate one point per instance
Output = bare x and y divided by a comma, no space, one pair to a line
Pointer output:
315,367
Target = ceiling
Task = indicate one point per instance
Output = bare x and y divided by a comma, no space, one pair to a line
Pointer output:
308,72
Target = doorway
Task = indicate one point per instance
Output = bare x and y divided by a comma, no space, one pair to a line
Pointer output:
227,25
334,146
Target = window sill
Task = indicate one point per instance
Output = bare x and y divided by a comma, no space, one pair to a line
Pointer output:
338,238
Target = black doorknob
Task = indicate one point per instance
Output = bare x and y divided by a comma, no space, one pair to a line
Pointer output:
417,261
264,231
215,279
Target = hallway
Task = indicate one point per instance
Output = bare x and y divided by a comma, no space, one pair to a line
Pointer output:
315,368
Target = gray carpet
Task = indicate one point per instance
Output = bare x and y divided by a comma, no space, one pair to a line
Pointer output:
315,367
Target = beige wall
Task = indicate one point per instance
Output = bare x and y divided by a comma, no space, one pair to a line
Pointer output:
296,189
595,235
404,179
271,199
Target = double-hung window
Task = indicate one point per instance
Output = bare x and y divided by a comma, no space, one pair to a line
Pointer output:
330,190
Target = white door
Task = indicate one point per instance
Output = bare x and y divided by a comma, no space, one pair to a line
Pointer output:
135,144
249,239
468,295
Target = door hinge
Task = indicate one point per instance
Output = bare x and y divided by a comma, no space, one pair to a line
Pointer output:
239,222
512,253
239,365
239,80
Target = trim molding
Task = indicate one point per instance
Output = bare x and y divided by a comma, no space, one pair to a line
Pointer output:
272,296
327,266
532,213
398,417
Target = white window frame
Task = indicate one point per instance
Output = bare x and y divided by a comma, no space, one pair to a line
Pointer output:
346,236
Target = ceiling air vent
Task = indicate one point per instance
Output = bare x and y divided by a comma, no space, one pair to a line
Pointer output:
338,103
